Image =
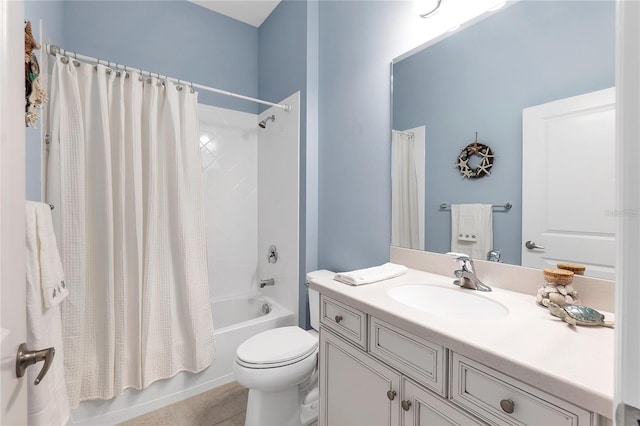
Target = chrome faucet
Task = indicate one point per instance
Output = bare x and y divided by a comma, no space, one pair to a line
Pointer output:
264,283
467,274
494,255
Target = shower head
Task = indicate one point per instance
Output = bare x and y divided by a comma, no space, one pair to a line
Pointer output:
263,123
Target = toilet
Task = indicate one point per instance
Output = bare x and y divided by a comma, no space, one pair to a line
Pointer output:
279,367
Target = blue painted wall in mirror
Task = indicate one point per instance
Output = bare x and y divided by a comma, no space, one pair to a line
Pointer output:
480,80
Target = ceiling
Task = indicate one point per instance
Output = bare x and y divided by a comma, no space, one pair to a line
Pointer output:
252,12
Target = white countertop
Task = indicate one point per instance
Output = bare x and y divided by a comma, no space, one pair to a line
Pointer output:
529,344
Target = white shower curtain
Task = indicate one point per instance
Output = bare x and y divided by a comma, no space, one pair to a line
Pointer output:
123,171
405,227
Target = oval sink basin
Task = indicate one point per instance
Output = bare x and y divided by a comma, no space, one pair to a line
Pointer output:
448,302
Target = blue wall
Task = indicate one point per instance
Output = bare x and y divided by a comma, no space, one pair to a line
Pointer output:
480,80
358,40
175,38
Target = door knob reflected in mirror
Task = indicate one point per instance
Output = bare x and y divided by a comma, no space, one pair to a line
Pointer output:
532,245
26,358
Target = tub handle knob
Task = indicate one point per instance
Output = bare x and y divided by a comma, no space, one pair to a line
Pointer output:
338,318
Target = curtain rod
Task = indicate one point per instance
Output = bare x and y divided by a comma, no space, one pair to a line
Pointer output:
52,49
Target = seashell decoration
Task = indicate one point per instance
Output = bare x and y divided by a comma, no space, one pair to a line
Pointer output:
558,288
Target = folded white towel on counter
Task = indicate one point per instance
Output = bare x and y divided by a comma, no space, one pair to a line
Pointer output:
48,403
371,275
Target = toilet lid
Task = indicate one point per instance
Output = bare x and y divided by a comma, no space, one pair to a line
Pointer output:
277,345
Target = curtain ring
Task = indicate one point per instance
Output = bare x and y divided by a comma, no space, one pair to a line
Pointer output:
192,89
75,55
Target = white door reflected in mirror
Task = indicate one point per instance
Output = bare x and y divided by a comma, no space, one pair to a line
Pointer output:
568,183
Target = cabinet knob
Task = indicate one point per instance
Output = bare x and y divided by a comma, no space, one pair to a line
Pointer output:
391,395
406,405
338,318
507,406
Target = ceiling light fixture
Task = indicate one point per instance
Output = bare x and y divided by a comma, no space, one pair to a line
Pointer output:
426,8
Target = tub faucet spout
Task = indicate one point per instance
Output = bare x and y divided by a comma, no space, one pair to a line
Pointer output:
264,283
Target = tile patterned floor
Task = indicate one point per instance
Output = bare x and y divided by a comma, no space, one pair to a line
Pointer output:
223,406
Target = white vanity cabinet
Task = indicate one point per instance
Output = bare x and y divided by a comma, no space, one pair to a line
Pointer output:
501,399
369,388
420,407
356,389
375,373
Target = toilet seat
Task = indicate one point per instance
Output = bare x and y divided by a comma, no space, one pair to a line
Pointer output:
277,347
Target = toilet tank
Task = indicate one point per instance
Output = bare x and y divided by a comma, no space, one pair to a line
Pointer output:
314,297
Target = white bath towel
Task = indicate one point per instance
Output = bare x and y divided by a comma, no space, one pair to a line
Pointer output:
472,229
47,402
371,275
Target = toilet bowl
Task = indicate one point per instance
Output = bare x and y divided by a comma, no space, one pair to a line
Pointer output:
279,367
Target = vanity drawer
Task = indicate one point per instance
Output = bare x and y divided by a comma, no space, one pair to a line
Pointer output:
348,322
500,399
414,356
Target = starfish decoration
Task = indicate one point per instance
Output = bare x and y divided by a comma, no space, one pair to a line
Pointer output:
487,153
463,163
484,167
486,160
474,149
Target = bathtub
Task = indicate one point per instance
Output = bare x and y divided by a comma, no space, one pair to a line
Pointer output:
235,320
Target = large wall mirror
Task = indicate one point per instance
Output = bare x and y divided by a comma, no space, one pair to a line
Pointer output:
515,65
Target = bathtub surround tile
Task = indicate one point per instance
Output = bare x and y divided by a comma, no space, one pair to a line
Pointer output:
223,406
229,147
